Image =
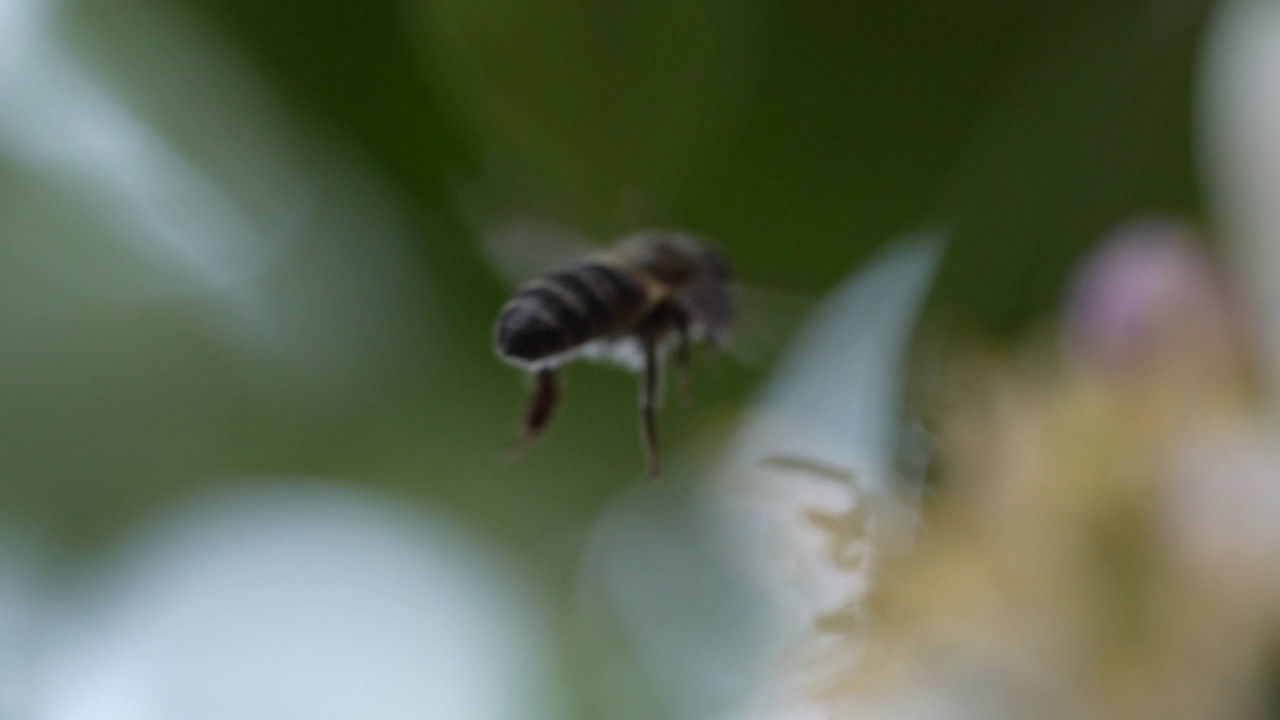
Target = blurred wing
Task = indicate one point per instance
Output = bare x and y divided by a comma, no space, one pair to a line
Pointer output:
522,248
767,319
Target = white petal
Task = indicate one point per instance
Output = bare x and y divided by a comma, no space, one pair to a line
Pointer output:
303,602
1240,114
834,398
709,593
23,596
113,202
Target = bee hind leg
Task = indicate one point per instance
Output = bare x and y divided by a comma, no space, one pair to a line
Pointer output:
648,401
683,357
542,406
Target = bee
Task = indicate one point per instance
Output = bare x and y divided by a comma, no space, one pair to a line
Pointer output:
639,304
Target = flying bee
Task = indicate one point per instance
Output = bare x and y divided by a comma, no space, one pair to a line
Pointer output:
639,304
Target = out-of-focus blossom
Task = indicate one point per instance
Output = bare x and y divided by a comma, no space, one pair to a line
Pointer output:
300,602
1105,543
24,590
1153,295
287,248
700,598
812,474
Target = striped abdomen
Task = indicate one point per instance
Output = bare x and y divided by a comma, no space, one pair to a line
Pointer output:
558,312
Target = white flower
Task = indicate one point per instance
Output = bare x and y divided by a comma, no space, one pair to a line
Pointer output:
302,601
709,600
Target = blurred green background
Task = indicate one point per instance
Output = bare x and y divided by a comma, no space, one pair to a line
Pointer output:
800,135
803,136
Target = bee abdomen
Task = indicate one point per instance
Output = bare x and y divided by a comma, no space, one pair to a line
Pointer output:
609,298
558,312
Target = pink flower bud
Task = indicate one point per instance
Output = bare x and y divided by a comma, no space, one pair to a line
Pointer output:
1151,295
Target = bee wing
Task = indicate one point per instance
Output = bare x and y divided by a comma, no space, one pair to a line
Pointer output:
524,247
767,318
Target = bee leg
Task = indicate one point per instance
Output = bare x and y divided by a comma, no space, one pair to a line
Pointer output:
542,406
683,357
648,400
